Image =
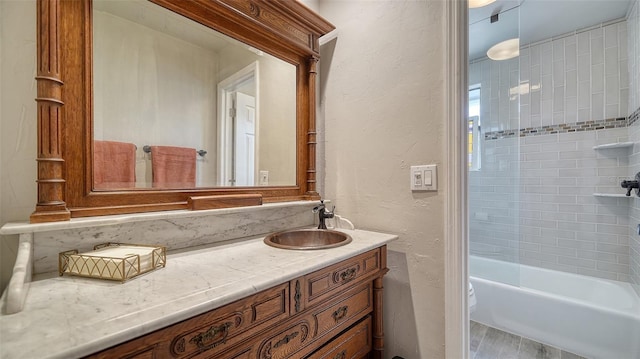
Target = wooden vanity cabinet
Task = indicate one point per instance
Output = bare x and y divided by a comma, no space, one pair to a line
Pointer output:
333,313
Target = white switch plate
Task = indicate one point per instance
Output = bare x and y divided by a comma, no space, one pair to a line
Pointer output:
424,178
264,178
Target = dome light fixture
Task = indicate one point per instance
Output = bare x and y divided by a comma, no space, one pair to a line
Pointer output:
479,3
505,50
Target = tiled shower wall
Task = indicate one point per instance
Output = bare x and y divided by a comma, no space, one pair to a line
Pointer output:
538,207
532,200
576,77
633,29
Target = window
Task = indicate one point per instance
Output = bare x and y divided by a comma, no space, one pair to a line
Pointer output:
474,128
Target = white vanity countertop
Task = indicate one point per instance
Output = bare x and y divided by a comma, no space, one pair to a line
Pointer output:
68,317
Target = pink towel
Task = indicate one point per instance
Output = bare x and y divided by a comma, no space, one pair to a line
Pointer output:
173,167
114,165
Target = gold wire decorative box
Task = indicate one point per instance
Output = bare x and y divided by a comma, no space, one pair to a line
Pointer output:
113,261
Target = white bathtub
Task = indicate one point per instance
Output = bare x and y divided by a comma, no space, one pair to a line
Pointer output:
592,317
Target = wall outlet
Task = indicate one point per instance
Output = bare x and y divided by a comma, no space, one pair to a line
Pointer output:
264,178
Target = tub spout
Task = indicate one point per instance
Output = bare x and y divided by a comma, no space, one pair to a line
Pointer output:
630,185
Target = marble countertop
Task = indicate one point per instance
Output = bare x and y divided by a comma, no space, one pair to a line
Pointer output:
67,317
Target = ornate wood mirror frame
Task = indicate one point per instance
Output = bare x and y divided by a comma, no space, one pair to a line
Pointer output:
285,29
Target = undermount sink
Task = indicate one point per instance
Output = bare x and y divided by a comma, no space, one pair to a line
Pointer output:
307,239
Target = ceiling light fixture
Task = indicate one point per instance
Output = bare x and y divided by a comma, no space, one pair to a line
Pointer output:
505,50
479,3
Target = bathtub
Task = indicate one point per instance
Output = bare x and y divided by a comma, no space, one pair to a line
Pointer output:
592,317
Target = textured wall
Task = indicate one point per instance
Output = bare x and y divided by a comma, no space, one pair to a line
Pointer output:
18,125
383,112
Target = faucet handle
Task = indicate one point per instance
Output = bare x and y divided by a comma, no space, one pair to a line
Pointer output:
318,207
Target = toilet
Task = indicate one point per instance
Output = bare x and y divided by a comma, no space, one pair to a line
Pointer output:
472,299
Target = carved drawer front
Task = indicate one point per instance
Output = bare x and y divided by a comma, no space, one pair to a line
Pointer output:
355,343
265,308
212,332
286,343
325,282
356,304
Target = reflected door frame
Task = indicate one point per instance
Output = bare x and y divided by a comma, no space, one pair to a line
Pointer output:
226,97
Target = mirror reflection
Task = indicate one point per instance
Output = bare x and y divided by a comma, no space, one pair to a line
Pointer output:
179,105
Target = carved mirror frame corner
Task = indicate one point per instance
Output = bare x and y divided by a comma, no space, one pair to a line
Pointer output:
285,29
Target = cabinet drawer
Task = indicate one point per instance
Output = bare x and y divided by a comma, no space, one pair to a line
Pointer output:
355,343
212,332
306,334
354,306
326,282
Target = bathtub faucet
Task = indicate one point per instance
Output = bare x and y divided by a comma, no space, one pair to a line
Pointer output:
629,185
323,214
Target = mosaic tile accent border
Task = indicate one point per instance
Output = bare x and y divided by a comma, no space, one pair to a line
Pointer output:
563,128
634,117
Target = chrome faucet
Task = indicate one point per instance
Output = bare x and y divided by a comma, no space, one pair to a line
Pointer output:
323,214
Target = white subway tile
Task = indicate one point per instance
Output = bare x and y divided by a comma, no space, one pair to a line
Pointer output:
576,244
611,36
571,83
559,199
612,91
584,43
599,256
584,96
535,103
577,208
571,61
558,49
597,51
547,113
611,229
547,87
624,74
568,252
534,55
597,106
584,114
597,78
584,263
558,99
611,62
584,68
571,109
558,73
546,61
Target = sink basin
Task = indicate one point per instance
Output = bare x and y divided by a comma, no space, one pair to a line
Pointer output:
307,239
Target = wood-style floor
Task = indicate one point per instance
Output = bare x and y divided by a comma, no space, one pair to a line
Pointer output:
492,343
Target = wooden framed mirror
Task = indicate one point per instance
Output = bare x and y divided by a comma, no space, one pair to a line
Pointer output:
286,30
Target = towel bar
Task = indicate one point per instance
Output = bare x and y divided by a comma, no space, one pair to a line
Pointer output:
147,149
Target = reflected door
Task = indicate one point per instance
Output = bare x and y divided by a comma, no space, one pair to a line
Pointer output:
245,140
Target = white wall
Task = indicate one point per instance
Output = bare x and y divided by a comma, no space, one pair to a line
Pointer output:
276,111
18,127
151,88
383,108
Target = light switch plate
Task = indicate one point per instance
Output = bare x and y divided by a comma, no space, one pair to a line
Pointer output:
424,178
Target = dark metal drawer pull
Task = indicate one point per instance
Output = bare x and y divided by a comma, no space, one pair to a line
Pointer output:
348,275
212,338
340,313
